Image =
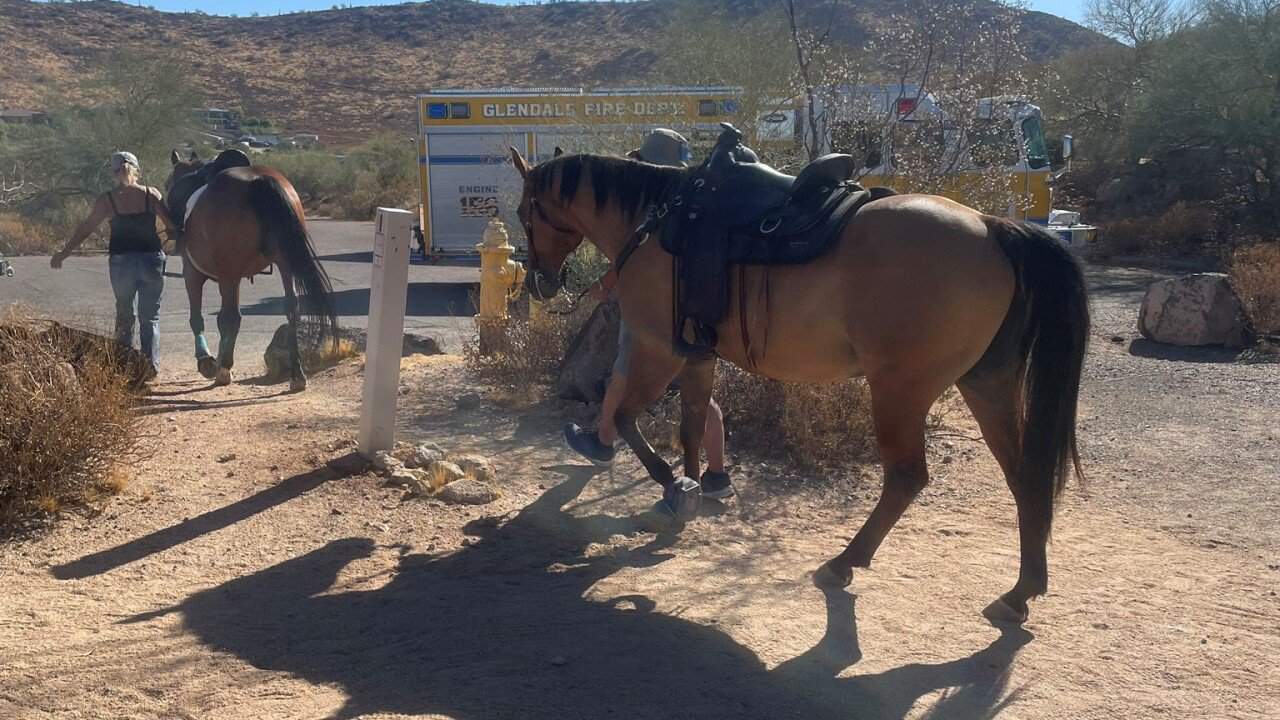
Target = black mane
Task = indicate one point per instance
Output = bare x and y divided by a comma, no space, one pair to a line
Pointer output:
629,183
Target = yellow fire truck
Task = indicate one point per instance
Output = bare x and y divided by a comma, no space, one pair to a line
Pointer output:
464,174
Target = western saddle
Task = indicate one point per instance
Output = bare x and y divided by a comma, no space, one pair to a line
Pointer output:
187,185
735,210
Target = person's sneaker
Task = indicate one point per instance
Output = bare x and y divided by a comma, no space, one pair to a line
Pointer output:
587,444
717,485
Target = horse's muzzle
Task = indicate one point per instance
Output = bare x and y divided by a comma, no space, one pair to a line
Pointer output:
542,286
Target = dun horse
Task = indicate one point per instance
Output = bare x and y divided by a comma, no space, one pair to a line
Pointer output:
917,293
238,225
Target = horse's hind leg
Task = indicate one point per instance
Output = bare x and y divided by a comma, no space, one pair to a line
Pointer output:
899,409
297,378
194,280
228,329
993,394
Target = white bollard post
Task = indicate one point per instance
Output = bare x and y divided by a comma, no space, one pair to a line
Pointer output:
387,292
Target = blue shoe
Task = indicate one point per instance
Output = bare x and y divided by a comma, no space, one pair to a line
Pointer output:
587,444
717,485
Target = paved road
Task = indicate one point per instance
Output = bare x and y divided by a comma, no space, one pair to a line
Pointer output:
439,301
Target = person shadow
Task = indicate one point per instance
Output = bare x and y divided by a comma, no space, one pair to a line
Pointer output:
506,628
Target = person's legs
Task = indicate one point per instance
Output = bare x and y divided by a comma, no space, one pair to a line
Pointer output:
713,438
124,285
150,287
715,481
606,429
598,446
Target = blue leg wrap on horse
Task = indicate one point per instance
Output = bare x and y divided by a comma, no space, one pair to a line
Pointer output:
202,347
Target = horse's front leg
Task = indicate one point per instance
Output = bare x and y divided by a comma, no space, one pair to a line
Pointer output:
194,281
650,373
228,329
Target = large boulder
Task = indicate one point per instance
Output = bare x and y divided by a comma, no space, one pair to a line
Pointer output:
589,360
317,352
1197,309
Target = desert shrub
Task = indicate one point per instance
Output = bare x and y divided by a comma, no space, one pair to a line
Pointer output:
524,353
1255,276
18,237
521,355
385,174
319,177
42,231
1182,229
811,425
67,423
1123,237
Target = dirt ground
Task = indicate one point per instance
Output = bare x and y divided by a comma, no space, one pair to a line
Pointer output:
249,572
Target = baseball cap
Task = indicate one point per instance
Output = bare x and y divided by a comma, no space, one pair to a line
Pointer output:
664,147
120,159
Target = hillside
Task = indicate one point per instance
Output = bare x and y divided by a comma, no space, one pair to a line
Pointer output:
343,73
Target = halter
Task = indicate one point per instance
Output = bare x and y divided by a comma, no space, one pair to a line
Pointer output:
533,246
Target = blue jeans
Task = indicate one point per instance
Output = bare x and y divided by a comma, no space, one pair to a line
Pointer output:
141,275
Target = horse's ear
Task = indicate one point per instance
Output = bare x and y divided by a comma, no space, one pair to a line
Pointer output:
559,151
173,157
194,156
518,160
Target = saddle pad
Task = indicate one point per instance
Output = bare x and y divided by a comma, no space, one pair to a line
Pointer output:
191,203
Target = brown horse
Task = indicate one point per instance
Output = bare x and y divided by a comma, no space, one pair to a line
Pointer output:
245,220
918,293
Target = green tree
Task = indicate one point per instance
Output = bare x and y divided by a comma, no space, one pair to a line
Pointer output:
1215,88
138,102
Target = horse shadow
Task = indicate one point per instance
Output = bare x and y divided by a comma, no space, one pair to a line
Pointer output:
503,628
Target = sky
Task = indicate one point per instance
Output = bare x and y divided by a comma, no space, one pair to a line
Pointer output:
1070,9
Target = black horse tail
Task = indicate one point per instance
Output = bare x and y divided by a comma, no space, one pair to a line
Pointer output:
1052,303
285,237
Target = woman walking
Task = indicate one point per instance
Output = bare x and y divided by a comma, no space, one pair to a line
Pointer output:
136,254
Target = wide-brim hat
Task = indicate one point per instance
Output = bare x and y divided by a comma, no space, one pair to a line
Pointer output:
663,147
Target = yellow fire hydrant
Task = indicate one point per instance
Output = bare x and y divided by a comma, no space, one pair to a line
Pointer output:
500,281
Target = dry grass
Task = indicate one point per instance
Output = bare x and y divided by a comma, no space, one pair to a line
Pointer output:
814,426
1181,230
20,237
519,356
67,424
1255,276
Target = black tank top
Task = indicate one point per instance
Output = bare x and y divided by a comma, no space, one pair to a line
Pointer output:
134,232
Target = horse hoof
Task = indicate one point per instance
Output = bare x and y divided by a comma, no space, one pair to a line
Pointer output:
223,377
827,579
683,497
659,519
297,384
1001,612
207,366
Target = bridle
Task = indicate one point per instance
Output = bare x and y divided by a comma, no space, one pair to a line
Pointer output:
536,206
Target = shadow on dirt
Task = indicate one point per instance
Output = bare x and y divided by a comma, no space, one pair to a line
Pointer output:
502,629
209,522
1144,348
423,299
